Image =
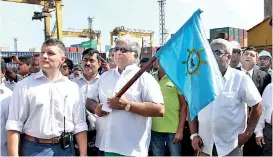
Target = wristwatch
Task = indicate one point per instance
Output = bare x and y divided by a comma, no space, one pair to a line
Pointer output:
193,135
128,106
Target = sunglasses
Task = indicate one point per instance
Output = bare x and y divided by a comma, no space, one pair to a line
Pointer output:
236,51
219,52
122,49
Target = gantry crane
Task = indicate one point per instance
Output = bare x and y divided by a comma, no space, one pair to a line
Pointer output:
48,6
81,33
137,33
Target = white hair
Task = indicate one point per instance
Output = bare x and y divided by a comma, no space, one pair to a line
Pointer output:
131,43
226,44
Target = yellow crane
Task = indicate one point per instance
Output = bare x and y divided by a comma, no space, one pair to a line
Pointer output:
48,6
81,33
137,33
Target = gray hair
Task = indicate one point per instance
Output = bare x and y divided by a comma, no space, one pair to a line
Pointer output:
131,43
226,44
57,43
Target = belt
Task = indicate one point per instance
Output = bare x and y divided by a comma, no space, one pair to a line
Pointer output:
43,141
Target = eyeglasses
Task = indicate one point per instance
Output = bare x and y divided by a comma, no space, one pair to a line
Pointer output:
122,49
236,51
219,52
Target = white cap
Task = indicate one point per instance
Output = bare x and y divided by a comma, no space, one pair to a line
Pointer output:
264,53
235,45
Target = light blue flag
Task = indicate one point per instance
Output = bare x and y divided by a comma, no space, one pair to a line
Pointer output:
188,61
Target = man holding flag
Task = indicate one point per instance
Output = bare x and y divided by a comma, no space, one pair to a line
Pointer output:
215,92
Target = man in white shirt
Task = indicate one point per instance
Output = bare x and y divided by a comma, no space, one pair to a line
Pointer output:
126,128
263,130
221,126
91,63
48,109
265,61
5,95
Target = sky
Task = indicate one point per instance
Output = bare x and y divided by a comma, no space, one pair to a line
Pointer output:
16,22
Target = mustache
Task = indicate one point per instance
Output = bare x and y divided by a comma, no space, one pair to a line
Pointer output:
87,66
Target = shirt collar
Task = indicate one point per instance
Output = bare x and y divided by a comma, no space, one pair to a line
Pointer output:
227,74
83,77
250,71
127,68
41,74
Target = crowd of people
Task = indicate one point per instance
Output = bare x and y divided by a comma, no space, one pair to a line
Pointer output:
51,107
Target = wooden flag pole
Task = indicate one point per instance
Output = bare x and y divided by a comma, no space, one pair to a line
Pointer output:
135,77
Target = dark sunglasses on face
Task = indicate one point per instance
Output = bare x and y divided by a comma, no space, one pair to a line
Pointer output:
237,51
219,52
122,49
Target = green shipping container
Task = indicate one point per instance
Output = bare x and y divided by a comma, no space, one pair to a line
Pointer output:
89,44
236,34
227,30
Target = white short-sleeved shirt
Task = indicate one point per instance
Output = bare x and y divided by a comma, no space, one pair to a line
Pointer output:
5,95
225,118
120,131
267,110
38,107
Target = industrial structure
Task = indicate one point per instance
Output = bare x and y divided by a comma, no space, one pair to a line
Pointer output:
163,34
137,33
260,36
267,8
49,6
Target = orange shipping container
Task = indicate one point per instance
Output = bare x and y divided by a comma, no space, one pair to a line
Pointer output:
245,34
72,49
241,41
80,49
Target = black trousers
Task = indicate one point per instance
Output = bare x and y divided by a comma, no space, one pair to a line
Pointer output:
267,147
91,149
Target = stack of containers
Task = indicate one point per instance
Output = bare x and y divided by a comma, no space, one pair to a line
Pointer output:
72,49
236,34
245,38
241,37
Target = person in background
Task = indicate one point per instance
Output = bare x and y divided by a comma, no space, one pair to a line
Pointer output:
48,108
5,96
265,62
236,55
126,128
261,79
67,68
77,71
111,59
168,129
91,63
263,130
221,128
35,67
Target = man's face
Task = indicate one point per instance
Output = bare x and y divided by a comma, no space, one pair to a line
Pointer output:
35,67
221,56
249,58
264,62
112,63
23,68
123,56
236,56
77,73
90,64
51,58
65,70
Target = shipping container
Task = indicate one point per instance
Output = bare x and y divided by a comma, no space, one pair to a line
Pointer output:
228,30
241,34
245,34
76,45
80,49
236,34
147,52
75,57
107,48
72,49
230,38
